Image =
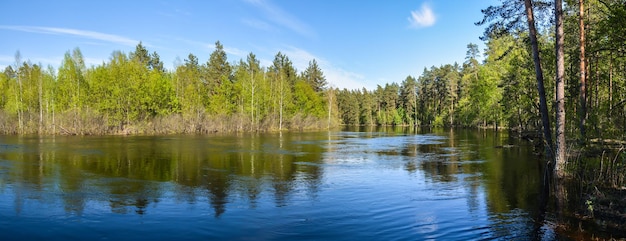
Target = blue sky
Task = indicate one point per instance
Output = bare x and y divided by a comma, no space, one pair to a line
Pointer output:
358,43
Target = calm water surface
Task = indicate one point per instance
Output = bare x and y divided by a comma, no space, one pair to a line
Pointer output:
386,185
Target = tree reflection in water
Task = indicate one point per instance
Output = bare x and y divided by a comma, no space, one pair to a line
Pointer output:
331,183
133,173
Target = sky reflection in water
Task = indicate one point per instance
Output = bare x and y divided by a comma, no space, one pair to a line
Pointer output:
306,186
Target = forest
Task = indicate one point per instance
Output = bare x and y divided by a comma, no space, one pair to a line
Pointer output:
501,91
134,94
493,88
553,72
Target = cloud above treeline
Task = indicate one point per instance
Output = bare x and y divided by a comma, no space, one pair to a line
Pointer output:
336,76
423,17
276,15
74,32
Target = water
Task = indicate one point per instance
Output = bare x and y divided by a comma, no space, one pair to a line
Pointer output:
350,185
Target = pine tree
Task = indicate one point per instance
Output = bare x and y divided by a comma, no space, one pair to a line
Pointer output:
314,76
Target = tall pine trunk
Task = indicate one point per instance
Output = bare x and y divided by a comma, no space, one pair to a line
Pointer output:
543,105
560,152
282,94
583,72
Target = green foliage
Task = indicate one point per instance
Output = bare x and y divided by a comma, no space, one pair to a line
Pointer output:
282,76
501,90
589,204
437,94
397,116
348,106
307,101
189,88
71,82
219,87
314,76
130,90
140,55
160,98
408,97
4,86
367,107
134,94
11,91
438,122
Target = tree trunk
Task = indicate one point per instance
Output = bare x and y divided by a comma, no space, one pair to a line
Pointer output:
451,112
611,86
560,155
54,125
40,77
18,95
252,99
543,105
583,72
415,106
282,94
330,101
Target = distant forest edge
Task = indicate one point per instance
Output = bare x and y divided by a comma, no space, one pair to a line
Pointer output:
134,94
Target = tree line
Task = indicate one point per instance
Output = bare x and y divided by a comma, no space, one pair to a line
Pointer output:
134,93
550,67
501,90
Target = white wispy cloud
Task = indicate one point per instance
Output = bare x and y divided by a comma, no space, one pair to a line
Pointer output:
6,58
53,61
258,24
176,13
235,51
278,16
5,61
94,61
74,32
423,17
335,75
45,61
